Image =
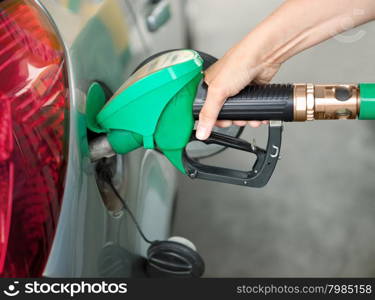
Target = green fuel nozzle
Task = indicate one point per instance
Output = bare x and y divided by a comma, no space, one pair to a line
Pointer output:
153,108
157,106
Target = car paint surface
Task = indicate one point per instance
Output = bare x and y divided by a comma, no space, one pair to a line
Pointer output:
105,40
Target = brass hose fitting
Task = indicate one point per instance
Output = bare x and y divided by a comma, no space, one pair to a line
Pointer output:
326,102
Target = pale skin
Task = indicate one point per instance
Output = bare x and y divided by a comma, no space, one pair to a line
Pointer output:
295,26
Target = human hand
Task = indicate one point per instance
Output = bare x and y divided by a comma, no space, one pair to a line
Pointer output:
228,76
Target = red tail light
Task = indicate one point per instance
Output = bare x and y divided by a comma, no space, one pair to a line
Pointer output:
33,110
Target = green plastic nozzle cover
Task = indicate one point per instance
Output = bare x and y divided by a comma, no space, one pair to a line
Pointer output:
153,108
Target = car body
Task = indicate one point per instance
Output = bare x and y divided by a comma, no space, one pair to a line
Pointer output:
86,234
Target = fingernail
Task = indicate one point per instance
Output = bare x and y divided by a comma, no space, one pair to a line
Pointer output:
202,132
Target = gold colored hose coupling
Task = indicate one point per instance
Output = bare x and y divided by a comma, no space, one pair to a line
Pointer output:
325,102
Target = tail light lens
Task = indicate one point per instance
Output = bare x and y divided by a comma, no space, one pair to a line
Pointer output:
33,111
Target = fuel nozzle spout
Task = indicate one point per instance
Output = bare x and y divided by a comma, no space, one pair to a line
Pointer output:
100,147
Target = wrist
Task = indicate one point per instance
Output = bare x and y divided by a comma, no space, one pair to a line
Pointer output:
262,49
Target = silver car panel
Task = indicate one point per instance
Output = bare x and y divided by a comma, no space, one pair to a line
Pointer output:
104,42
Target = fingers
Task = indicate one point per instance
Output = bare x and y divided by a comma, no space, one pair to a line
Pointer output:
228,123
240,123
208,115
224,123
255,124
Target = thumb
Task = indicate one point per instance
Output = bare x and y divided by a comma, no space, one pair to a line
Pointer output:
210,111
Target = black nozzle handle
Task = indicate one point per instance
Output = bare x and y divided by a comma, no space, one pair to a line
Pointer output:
255,102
